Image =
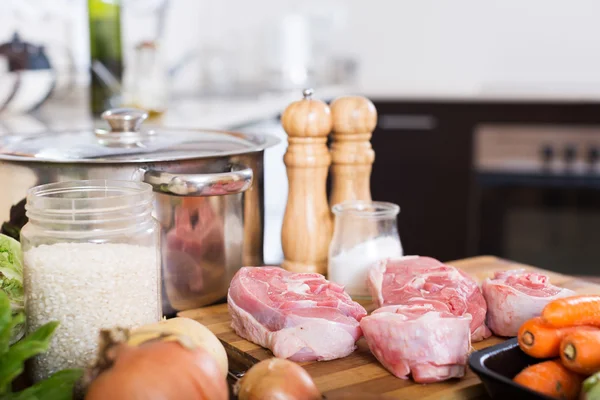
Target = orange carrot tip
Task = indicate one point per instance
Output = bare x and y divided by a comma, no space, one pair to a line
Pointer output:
551,378
573,311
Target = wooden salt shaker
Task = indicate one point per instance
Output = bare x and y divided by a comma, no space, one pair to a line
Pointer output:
307,224
354,119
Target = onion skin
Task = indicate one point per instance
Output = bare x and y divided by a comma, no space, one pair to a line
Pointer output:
353,395
277,379
159,370
200,335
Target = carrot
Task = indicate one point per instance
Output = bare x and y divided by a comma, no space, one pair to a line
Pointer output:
551,378
580,351
541,340
574,310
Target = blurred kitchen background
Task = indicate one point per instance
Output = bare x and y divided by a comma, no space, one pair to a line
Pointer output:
489,112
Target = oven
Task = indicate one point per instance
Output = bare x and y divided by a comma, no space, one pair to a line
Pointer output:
536,196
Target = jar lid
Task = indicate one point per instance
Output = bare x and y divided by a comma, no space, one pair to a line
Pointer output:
128,142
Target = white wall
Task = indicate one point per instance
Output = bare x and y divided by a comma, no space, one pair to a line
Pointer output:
435,45
469,43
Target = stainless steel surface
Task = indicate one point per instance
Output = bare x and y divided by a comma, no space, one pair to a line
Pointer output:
125,124
556,149
210,208
204,246
276,189
132,146
238,180
125,119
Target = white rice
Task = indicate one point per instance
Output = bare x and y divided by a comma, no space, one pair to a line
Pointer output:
87,287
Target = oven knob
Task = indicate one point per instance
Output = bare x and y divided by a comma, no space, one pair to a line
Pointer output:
547,153
570,153
593,155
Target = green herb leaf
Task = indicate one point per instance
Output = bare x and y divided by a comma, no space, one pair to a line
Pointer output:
58,387
591,381
13,361
591,393
6,333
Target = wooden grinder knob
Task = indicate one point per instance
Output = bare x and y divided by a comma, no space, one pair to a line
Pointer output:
354,119
307,224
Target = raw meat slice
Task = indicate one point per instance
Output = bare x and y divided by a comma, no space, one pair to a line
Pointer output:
413,280
433,345
515,296
300,316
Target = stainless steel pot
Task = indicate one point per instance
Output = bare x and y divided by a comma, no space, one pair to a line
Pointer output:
208,192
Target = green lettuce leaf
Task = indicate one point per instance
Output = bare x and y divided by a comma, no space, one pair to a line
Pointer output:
11,279
14,289
11,261
11,271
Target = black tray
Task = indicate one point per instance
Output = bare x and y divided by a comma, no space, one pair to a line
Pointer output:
497,365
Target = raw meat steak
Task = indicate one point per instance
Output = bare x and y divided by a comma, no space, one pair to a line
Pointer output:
413,280
515,296
432,345
300,316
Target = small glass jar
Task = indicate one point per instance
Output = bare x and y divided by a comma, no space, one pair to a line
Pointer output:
91,253
364,233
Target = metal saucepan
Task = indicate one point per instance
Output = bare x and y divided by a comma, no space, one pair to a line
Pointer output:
208,193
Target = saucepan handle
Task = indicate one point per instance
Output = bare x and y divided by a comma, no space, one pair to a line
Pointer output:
237,180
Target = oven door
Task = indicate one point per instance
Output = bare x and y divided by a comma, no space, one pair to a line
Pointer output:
546,220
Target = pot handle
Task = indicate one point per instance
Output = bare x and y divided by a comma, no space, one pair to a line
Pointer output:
237,180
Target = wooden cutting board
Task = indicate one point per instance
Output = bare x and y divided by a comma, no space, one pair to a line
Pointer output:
360,372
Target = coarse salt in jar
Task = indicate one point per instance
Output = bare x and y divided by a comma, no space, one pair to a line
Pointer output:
91,261
364,232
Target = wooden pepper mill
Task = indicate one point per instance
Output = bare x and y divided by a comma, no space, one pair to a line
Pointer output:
307,223
354,119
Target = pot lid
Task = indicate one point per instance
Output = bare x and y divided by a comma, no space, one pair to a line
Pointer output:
128,142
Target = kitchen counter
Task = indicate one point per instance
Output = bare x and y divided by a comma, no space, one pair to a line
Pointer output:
234,112
201,112
517,92
237,111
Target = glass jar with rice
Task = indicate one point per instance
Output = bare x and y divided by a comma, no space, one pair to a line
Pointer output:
91,261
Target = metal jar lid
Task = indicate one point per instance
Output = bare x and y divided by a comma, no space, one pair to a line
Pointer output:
127,142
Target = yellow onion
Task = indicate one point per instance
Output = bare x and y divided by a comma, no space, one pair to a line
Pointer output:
171,370
171,329
277,379
349,394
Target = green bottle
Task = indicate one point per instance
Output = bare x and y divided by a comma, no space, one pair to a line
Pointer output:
105,53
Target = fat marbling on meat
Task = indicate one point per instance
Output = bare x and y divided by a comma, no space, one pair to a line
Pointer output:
515,296
299,316
415,280
424,340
